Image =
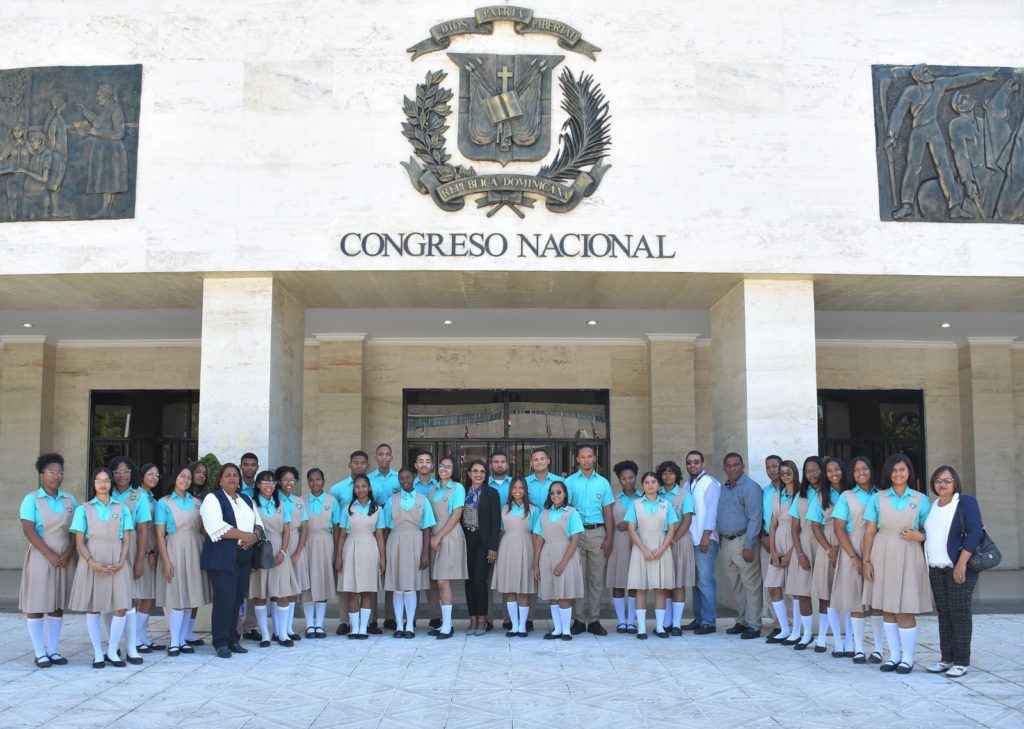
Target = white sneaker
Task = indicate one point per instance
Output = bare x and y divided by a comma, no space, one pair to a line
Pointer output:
939,667
956,671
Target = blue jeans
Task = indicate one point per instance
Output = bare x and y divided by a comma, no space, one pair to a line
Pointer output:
704,608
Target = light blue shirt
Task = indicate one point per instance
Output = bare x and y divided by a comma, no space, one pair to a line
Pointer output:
794,508
289,504
456,491
651,507
342,491
406,501
246,489
842,510
268,508
575,525
501,487
80,522
29,510
537,489
769,499
424,488
814,511
384,486
165,517
315,504
589,496
343,517
899,503
517,510
138,502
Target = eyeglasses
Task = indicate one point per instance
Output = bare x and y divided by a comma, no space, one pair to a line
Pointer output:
123,472
445,467
288,482
945,481
477,470
102,480
53,474
693,463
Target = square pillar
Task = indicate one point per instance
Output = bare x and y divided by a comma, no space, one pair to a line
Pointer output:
27,377
340,405
764,378
250,385
988,439
672,396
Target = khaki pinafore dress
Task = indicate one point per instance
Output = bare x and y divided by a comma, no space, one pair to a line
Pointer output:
617,572
360,568
143,588
776,576
279,580
513,569
45,588
901,582
568,585
92,592
299,566
322,584
798,580
684,564
823,573
448,563
848,585
656,574
404,548
188,587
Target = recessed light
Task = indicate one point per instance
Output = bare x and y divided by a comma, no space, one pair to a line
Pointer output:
945,325
448,322
27,325
591,322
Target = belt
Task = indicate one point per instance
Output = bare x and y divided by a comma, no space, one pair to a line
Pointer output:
470,529
592,526
731,536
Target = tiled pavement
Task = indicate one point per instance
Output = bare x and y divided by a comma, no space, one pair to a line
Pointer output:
491,681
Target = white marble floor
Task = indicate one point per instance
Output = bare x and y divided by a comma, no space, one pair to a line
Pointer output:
491,681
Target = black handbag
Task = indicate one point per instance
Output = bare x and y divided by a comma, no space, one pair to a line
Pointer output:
264,558
986,556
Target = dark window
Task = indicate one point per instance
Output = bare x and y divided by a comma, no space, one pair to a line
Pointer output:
469,424
873,423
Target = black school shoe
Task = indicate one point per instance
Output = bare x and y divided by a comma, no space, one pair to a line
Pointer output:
390,624
736,629
750,634
374,629
529,626
254,635
435,623
705,630
692,625
343,629
577,627
596,628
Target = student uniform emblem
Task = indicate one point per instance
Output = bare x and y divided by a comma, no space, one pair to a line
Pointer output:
504,116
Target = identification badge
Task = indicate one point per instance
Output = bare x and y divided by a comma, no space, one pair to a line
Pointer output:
599,495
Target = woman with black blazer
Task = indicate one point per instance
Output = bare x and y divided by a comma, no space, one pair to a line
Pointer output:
481,523
953,531
232,527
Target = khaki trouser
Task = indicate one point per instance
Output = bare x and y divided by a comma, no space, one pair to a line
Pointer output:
743,579
587,609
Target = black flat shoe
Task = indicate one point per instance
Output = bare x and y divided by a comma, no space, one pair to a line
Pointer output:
173,652
511,633
736,629
287,643
750,634
116,664
264,644
134,660
566,636
859,659
58,660
692,625
577,627
310,633
253,635
677,632
887,667
529,626
621,628
223,652
343,629
445,636
237,648
374,630
398,634
641,636
788,642
144,648
631,629
705,630
904,667
875,657
196,643
820,649
660,634
98,664
838,654
364,636
435,623
408,634
801,646
595,628
552,636
43,662
848,654
156,647
489,626
434,631
294,636
187,649
521,634
506,624
390,624
320,632
775,639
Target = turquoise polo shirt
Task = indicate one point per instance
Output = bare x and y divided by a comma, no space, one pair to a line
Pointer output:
842,510
29,510
142,512
80,522
165,517
342,491
267,507
537,490
405,502
384,485
768,491
246,489
575,525
814,511
424,488
899,503
517,510
501,487
589,496
343,516
651,507
458,495
289,503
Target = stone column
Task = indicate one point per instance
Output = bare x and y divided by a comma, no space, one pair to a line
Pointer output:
250,387
672,396
27,372
340,405
988,439
764,380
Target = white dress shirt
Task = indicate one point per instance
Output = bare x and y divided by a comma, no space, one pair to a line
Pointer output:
213,519
705,490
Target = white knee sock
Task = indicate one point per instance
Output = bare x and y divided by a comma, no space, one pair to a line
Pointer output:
641,620
524,613
142,628
823,624
631,611
35,632
667,611
677,614
780,615
321,611
847,632
556,619
878,632
92,623
908,638
892,640
131,632
620,609
261,620
174,621
659,620
353,621
566,618
806,622
795,632
398,605
410,609
290,620
309,614
857,628
53,626
513,615
446,618
834,625
364,619
281,621
186,627
117,625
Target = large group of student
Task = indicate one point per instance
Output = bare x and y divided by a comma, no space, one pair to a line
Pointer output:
838,537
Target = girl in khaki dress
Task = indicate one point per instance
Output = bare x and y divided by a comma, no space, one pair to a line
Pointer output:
179,539
144,589
46,515
448,543
141,564
409,517
617,574
287,477
894,560
780,551
684,564
826,554
801,570
652,524
359,554
102,529
278,582
556,561
319,554
513,569
848,585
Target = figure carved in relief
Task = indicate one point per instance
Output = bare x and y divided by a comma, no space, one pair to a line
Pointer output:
36,176
108,158
56,131
14,157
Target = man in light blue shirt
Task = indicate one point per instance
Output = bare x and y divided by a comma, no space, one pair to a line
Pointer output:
383,479
248,465
740,523
591,495
499,478
358,463
771,469
540,480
